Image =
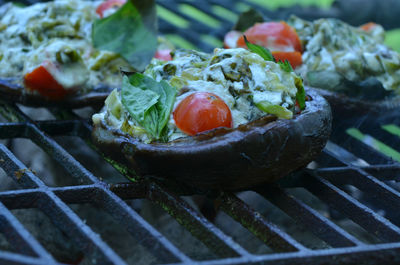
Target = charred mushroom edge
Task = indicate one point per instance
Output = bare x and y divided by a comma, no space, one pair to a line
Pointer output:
260,152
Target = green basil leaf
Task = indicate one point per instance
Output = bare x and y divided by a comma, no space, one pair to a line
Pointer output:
136,100
286,66
267,55
277,110
131,32
148,102
301,93
263,52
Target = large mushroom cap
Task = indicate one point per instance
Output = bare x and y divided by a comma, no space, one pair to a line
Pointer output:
259,152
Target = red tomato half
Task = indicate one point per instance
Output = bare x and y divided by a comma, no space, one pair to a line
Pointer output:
368,26
163,55
294,58
43,82
231,38
276,36
107,5
202,111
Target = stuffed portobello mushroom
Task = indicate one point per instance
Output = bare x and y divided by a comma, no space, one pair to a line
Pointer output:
350,66
228,120
62,52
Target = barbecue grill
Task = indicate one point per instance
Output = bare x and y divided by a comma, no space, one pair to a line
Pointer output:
353,180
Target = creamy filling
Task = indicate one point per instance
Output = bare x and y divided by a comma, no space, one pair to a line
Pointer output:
241,78
332,45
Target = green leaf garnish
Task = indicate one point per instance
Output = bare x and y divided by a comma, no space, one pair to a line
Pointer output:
267,55
148,102
286,66
260,50
130,32
301,93
277,110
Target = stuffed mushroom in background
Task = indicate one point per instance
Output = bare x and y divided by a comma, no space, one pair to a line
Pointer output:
64,52
350,65
228,120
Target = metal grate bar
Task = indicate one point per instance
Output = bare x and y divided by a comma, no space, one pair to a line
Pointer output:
149,237
13,130
359,213
199,226
258,225
388,197
387,254
75,194
372,186
18,259
61,127
67,161
381,172
311,219
18,199
77,170
66,220
63,217
342,155
17,170
206,7
19,237
365,152
189,34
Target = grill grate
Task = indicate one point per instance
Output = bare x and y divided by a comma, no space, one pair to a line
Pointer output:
353,162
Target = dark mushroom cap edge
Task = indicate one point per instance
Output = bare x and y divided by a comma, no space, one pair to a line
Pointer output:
12,91
227,159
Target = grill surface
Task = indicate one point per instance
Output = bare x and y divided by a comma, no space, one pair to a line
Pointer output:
351,159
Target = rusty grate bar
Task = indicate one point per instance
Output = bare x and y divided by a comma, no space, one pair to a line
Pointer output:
321,226
381,172
359,213
66,220
377,254
199,226
14,258
20,238
64,217
258,225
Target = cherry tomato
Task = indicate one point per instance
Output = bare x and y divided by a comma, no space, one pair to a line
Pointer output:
107,5
368,26
294,58
202,111
231,38
43,82
163,55
276,36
